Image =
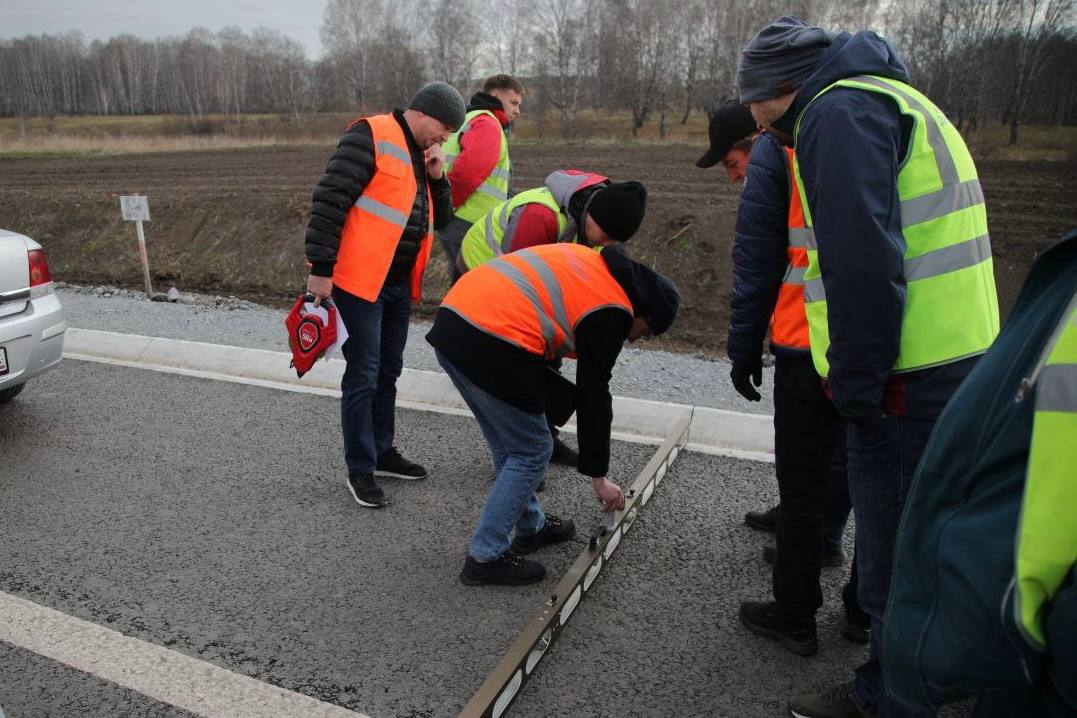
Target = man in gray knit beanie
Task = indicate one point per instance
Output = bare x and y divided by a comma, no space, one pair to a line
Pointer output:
778,59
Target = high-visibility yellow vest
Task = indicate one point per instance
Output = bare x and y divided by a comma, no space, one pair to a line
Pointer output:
490,237
495,188
1047,532
951,308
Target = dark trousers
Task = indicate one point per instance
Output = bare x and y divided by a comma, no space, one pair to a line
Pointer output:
451,237
809,449
374,352
883,456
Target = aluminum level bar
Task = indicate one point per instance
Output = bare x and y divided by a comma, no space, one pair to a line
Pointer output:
503,684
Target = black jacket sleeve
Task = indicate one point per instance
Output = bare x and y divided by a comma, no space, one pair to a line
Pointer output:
346,176
441,194
850,146
599,338
759,249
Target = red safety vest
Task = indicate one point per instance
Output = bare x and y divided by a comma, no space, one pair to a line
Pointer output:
535,298
789,323
376,221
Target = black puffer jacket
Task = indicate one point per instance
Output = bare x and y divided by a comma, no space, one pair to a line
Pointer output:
759,250
346,176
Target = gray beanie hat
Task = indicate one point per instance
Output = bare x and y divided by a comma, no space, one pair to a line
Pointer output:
441,101
780,58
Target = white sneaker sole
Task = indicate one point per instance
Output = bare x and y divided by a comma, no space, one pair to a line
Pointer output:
360,501
405,477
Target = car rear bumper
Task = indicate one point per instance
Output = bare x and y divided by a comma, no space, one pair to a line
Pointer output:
33,338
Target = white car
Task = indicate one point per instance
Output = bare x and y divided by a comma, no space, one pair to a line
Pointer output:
31,317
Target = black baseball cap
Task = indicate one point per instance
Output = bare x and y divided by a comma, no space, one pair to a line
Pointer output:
730,124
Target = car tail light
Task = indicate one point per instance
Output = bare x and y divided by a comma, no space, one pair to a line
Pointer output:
40,276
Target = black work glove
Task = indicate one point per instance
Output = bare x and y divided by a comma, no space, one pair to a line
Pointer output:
740,374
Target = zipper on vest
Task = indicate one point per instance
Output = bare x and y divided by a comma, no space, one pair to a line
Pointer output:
1029,381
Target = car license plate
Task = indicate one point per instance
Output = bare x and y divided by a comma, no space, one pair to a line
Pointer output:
3,361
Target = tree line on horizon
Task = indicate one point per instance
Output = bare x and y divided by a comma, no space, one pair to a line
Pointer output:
981,61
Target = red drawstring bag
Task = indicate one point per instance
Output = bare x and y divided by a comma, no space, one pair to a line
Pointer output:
308,335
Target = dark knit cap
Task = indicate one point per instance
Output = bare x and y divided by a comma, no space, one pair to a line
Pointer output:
732,123
660,300
441,101
653,296
780,58
618,208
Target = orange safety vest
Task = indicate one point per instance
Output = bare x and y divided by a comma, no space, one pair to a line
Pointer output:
535,298
789,323
376,221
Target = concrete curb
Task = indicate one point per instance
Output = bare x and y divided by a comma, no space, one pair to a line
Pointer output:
713,431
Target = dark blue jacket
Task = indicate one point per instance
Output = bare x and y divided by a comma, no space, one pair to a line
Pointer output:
850,147
950,631
759,250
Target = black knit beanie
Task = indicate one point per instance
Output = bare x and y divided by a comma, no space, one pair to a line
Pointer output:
618,209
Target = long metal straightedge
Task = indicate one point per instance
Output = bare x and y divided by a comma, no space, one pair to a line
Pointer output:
518,664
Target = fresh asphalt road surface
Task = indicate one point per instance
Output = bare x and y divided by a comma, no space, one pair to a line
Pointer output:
211,518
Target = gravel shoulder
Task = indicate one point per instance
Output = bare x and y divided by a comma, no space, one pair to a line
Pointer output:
640,373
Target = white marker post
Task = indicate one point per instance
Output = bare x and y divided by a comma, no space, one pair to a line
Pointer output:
136,208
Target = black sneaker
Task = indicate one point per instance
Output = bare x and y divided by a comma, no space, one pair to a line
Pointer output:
856,626
564,454
555,530
392,465
766,619
831,558
366,491
508,570
763,520
834,703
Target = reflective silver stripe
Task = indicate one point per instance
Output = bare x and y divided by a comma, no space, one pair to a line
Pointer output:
802,237
943,158
490,241
388,148
557,299
495,192
939,204
501,174
500,248
794,275
814,290
382,211
948,259
522,283
1057,388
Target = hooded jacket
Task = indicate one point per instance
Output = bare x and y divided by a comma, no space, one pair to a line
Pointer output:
850,147
479,148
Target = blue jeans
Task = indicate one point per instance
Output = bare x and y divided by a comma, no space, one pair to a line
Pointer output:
521,445
374,352
883,456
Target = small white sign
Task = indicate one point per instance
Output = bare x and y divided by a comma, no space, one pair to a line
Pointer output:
135,208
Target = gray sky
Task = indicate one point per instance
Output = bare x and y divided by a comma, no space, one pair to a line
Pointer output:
99,20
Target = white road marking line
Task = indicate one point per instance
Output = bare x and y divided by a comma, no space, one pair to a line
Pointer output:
162,674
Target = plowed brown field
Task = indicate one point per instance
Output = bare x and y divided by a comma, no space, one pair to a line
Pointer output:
232,221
